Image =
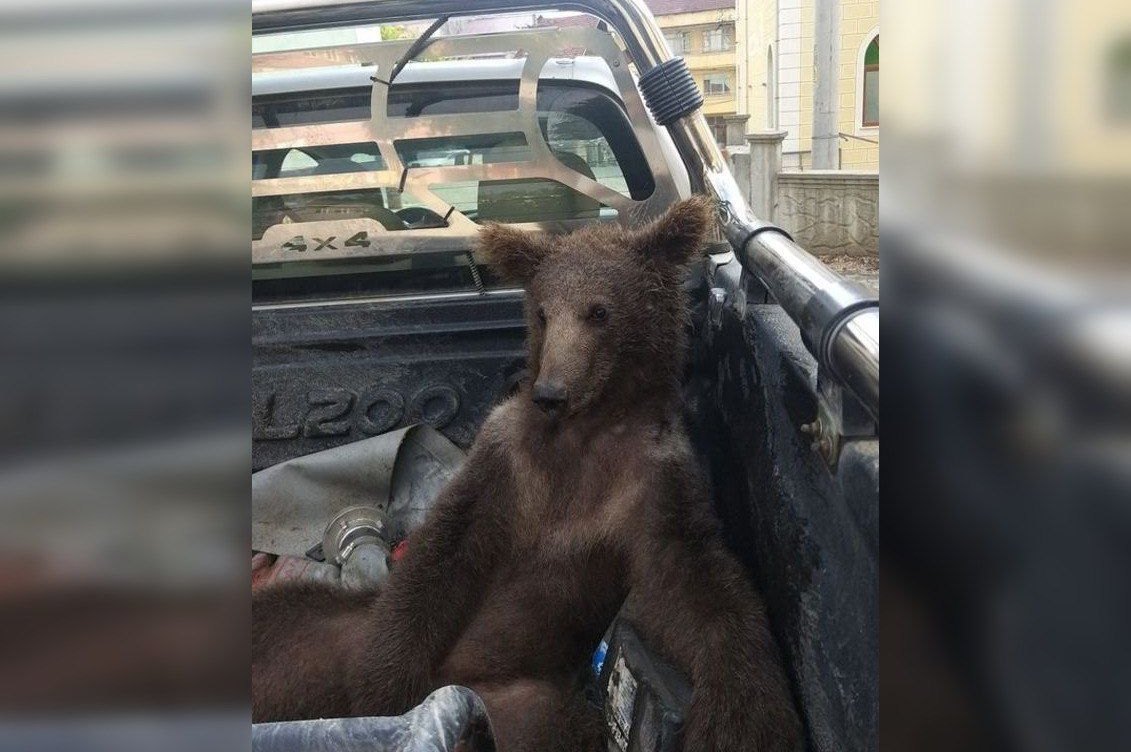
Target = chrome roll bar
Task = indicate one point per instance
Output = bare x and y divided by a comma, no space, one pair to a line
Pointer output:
839,321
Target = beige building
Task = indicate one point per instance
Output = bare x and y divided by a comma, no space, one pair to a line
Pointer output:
702,33
776,83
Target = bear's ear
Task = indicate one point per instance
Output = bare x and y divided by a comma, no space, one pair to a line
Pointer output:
679,235
512,253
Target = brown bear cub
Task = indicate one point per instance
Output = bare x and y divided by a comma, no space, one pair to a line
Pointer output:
580,494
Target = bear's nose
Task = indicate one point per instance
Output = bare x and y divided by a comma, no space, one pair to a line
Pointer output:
549,396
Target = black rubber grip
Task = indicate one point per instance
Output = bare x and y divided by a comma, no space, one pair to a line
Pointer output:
670,91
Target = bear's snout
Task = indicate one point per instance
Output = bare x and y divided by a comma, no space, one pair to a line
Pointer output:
549,395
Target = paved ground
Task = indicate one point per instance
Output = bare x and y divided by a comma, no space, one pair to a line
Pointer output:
863,269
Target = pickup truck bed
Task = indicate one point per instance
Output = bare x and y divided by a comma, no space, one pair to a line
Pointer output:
343,350
325,375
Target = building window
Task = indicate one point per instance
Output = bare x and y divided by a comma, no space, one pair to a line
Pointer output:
678,41
870,109
716,84
718,128
717,40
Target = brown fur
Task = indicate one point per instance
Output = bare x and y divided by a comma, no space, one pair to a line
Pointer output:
556,517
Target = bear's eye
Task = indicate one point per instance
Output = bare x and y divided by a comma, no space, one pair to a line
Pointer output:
598,313
541,315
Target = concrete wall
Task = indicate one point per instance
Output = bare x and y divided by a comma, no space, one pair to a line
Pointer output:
830,212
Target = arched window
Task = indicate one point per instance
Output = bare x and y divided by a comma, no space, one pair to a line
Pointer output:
870,81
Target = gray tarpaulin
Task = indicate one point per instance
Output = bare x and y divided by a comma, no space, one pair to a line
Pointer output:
399,472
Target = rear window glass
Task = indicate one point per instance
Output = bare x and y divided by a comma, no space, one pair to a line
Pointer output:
449,151
304,161
311,107
521,200
451,99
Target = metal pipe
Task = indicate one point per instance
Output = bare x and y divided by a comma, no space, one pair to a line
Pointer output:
857,341
441,723
839,321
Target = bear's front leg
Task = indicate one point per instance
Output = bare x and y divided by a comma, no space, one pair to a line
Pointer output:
434,590
691,601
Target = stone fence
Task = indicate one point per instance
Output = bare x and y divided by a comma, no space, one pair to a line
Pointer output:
828,212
